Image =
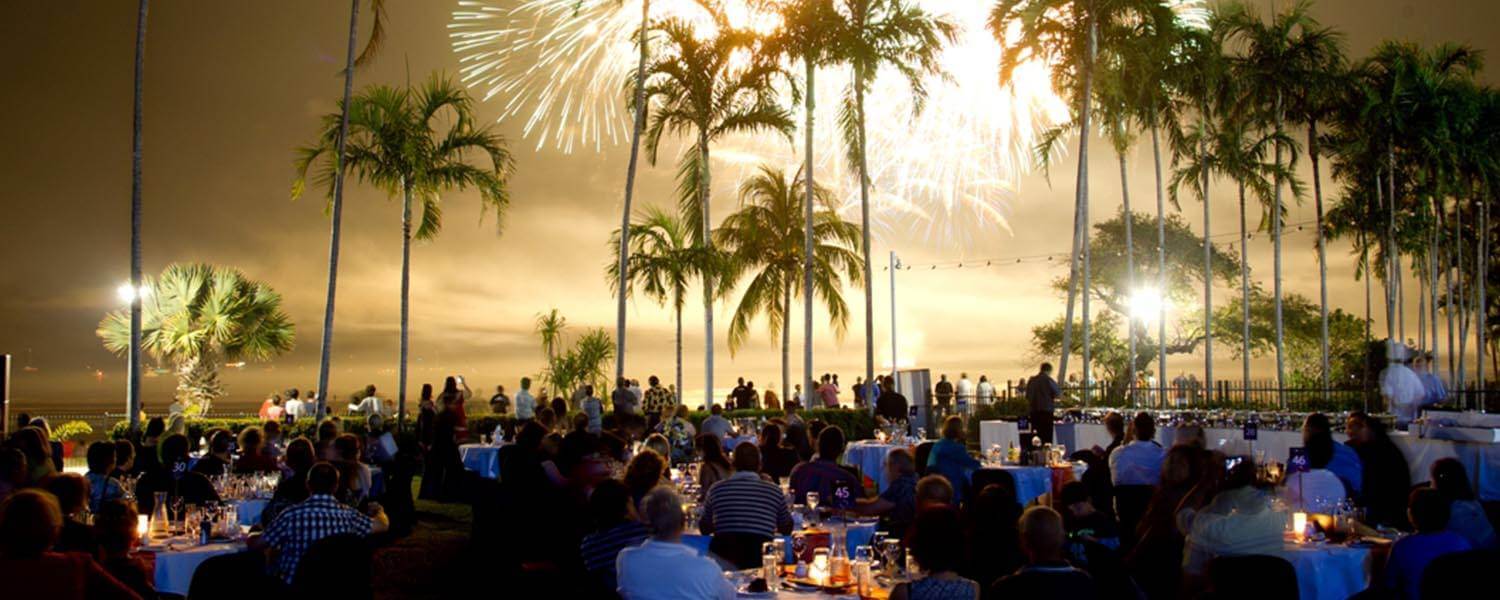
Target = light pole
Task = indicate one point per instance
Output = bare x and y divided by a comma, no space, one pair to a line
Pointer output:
895,264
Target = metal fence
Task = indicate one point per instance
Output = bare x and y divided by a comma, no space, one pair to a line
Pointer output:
1238,395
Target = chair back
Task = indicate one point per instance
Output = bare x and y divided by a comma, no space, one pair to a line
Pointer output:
228,576
337,566
1252,576
1451,575
1131,502
924,450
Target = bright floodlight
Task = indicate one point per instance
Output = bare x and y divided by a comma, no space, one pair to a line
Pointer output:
126,292
1146,304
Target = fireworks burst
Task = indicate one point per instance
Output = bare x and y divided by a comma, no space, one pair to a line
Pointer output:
948,173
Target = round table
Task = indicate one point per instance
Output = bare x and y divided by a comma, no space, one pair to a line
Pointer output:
856,535
483,459
1327,572
174,568
869,456
1032,482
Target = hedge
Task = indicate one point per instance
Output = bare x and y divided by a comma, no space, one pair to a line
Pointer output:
857,424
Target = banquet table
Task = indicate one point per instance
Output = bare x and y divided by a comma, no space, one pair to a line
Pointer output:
174,568
1034,481
483,459
858,534
869,456
998,433
1328,572
249,510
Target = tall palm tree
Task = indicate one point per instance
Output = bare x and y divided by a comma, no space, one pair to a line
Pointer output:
1062,33
664,259
1278,55
133,352
397,142
336,209
809,31
878,34
638,102
699,86
764,239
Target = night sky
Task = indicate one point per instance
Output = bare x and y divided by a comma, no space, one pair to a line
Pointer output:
232,88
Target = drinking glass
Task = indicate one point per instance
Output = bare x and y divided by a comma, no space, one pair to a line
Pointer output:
890,554
770,560
812,506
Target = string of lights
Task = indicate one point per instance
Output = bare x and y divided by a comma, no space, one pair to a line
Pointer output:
1005,261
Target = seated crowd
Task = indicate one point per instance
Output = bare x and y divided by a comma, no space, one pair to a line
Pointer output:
590,504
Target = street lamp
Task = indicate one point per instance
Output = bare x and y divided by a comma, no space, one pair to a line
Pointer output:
133,296
1147,304
127,293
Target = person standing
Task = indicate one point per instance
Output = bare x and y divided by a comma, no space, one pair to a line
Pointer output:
965,391
829,392
623,400
293,408
986,391
593,409
658,403
1436,393
500,403
1041,396
525,404
891,405
943,393
737,395
771,401
1401,388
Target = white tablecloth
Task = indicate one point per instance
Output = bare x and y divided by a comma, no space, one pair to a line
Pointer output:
869,456
1080,436
1329,572
482,459
998,433
174,569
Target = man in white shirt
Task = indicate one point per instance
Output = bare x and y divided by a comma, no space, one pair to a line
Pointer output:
965,390
1139,462
371,405
1401,387
663,568
293,408
1238,522
525,405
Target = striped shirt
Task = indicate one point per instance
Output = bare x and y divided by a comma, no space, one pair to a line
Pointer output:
600,548
745,503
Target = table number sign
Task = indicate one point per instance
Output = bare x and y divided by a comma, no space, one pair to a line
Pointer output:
1252,430
1297,460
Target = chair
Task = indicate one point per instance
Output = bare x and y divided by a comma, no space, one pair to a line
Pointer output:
1250,577
984,478
1452,575
229,576
924,450
337,566
1131,502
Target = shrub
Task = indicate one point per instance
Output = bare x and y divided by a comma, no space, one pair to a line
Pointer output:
72,430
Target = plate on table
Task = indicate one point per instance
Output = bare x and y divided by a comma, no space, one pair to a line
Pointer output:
755,588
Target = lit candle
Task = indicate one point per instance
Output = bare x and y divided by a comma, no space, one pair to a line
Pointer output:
818,570
1299,524
142,525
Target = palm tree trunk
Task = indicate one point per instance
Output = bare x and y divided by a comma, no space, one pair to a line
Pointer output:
635,153
1448,303
1432,285
677,312
704,198
335,233
1161,268
864,216
1080,217
1481,280
405,296
1312,154
786,336
133,384
1129,273
1463,313
1276,252
807,234
1208,270
1083,187
1244,300
1390,298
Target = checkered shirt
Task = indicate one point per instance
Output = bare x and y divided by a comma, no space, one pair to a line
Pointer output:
297,528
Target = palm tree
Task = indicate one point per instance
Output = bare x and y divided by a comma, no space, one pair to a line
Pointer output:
550,326
395,143
133,354
663,260
1277,57
637,125
336,209
877,34
1063,34
764,239
198,317
698,85
810,29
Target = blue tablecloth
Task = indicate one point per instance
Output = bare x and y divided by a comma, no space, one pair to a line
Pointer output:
859,534
482,459
249,511
869,456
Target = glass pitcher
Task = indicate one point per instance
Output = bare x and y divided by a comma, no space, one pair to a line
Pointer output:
160,523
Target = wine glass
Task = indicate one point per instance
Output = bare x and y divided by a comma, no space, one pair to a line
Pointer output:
812,505
178,505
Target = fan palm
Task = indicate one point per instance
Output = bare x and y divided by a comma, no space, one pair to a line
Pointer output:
336,208
876,35
663,261
764,239
197,317
397,142
699,86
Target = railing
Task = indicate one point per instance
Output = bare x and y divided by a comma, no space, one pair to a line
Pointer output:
1237,395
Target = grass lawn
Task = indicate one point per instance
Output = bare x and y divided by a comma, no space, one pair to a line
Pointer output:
429,563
